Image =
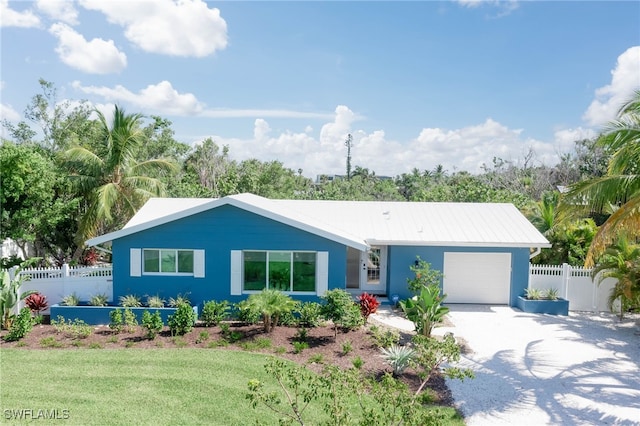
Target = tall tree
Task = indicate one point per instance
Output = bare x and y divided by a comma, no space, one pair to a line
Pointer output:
110,176
619,187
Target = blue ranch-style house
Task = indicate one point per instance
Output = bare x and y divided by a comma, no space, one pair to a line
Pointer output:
228,248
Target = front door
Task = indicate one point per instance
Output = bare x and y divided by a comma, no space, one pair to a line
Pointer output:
373,270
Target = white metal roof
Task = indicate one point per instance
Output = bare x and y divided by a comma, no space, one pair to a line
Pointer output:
363,223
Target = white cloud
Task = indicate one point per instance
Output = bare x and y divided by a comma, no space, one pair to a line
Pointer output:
60,10
13,18
504,6
172,27
161,97
164,99
458,149
97,56
8,113
625,78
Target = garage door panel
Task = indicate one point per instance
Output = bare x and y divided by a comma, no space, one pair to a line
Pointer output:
477,277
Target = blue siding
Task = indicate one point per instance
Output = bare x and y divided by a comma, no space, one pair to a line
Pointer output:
402,257
217,231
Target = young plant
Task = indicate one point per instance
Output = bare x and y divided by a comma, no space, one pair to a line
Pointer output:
10,293
180,299
70,300
424,276
182,321
368,305
357,363
99,300
398,357
298,347
301,335
533,293
152,323
130,301
271,304
309,314
203,337
383,338
214,312
116,322
551,294
425,310
155,302
340,308
20,326
130,320
36,302
347,347
430,354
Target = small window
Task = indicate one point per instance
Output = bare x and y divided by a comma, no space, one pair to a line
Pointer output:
168,261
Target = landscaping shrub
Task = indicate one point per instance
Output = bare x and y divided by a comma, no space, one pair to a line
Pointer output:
340,308
246,313
116,321
70,300
309,314
130,301
424,276
75,329
368,305
130,320
398,357
155,302
20,326
99,300
152,323
271,304
425,309
36,302
214,312
182,321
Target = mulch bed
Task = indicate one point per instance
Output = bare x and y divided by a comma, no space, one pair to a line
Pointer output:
320,340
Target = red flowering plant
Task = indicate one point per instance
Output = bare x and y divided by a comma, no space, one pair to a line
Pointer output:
368,305
36,302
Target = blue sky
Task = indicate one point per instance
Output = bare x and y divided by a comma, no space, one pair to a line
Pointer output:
417,84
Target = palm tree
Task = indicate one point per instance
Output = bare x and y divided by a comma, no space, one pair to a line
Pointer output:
619,188
622,262
108,175
544,214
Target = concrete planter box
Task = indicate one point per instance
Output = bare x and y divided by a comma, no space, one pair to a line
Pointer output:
543,306
95,315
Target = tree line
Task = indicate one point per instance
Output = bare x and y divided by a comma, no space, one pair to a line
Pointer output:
69,173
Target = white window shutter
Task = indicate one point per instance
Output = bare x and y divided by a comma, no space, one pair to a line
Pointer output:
236,272
322,272
135,262
198,263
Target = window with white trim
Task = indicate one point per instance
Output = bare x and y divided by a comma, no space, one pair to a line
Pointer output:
289,271
167,261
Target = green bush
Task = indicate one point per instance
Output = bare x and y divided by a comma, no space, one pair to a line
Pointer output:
425,310
20,326
182,321
76,329
116,321
383,338
424,276
155,302
214,312
340,308
309,314
130,320
246,313
271,304
153,323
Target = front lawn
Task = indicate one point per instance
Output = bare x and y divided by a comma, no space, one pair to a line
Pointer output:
138,386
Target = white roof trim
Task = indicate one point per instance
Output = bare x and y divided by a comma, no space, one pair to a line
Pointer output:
454,244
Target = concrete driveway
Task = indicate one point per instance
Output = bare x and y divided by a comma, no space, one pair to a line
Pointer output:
546,370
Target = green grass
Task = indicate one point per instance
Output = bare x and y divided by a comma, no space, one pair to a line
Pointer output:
141,386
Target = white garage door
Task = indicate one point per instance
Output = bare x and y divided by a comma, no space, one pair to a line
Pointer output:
477,277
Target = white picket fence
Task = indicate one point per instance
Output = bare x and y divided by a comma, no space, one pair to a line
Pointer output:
56,283
574,284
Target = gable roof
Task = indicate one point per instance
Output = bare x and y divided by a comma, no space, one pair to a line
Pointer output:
359,224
